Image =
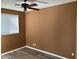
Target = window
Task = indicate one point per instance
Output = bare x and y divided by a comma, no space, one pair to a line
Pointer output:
9,24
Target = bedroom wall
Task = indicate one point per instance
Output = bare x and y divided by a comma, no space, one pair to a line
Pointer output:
53,29
13,41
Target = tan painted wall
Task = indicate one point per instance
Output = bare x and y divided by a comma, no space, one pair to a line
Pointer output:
53,29
10,42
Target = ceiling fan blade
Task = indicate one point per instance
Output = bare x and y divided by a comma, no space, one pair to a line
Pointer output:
41,2
17,5
34,8
21,0
31,0
34,4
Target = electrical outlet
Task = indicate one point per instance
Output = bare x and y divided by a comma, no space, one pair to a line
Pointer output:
72,54
34,44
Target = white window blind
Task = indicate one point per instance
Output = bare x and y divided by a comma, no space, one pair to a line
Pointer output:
9,24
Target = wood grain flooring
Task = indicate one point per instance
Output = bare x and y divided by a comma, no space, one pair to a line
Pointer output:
26,53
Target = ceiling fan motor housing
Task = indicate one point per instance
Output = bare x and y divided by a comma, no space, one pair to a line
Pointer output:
25,5
25,0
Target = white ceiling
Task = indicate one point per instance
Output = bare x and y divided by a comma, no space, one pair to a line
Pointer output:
10,4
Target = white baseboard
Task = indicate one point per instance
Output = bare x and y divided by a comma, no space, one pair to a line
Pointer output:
13,50
47,52
36,50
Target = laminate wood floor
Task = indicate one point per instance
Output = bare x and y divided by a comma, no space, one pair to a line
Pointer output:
27,53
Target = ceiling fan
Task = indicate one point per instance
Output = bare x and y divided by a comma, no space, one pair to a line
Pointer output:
26,6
